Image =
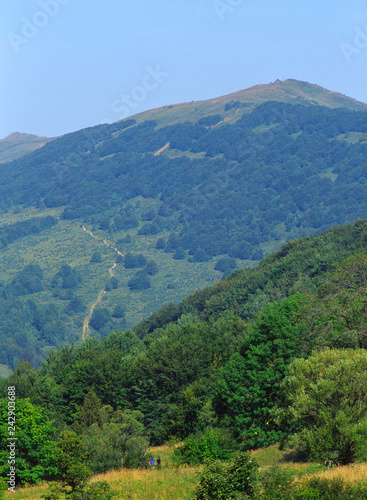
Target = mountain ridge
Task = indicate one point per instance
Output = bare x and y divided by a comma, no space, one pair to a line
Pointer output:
288,90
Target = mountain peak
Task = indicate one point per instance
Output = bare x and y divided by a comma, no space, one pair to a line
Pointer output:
17,144
233,106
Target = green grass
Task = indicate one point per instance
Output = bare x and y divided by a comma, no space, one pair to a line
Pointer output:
4,371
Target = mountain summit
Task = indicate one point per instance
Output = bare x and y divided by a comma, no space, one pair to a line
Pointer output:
287,91
16,145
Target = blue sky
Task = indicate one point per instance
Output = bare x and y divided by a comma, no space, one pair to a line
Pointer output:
70,64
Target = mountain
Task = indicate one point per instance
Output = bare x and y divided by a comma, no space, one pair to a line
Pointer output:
237,103
17,145
101,227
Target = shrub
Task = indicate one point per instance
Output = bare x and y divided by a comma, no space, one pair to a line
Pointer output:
180,254
326,395
96,258
214,444
220,481
99,318
161,244
151,268
140,281
117,444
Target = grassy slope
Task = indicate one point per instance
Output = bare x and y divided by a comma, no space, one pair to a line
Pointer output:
68,243
179,483
17,145
290,91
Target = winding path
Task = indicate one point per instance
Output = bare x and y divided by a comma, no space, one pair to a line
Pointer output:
102,293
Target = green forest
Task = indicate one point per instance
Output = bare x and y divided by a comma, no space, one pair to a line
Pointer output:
228,368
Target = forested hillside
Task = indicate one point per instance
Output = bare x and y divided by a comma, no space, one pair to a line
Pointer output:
218,369
175,367
146,210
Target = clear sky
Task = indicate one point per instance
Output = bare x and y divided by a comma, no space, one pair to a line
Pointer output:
70,64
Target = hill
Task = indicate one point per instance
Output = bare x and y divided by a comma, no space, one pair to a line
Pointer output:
17,145
237,103
217,359
101,227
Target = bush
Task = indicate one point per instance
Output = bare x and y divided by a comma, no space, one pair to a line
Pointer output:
161,244
214,444
99,318
140,281
3,487
119,311
220,481
180,254
326,396
151,268
277,484
96,258
117,444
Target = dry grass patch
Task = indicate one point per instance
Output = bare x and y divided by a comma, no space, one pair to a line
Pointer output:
349,473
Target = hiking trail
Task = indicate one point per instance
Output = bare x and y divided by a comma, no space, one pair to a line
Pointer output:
103,292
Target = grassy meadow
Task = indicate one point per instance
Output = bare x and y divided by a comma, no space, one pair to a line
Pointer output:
171,483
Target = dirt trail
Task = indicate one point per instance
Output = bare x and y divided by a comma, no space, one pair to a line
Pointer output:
87,319
166,146
102,293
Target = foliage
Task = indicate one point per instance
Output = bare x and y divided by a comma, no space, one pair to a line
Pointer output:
27,281
213,444
140,281
277,483
96,258
119,443
336,313
219,480
248,386
89,413
93,491
74,472
34,449
71,458
67,277
13,232
3,487
326,395
99,318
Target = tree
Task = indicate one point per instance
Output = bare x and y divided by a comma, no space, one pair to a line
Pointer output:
180,254
119,311
118,443
140,281
326,395
96,258
151,268
248,386
33,446
99,318
161,244
89,413
71,458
